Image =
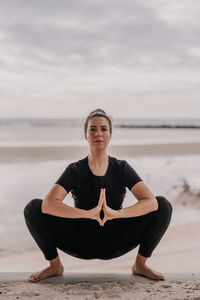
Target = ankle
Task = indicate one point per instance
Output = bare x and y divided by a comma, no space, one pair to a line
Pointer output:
55,262
140,261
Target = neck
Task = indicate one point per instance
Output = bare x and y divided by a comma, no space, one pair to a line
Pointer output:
98,158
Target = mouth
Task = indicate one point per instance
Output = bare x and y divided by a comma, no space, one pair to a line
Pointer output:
98,141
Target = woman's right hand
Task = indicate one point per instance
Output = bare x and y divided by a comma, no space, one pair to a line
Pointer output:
94,213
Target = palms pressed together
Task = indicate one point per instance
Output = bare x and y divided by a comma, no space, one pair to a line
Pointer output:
109,213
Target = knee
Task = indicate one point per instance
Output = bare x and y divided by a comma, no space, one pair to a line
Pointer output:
32,207
164,205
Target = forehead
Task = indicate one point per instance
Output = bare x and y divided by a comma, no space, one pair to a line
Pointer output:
98,121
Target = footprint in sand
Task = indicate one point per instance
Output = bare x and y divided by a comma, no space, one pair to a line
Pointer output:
166,286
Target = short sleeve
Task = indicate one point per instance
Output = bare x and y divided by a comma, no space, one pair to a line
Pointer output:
130,176
68,178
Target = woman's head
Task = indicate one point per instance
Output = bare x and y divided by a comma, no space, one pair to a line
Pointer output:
98,126
98,113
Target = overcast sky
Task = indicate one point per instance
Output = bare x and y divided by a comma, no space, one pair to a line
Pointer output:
135,59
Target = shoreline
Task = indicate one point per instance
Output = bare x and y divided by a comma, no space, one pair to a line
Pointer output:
118,122
57,151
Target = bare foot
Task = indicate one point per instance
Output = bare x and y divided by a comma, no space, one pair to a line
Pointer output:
147,272
52,270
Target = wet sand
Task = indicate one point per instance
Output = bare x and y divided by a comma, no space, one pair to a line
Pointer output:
48,151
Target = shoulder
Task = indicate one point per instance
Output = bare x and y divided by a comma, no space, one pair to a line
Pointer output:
118,163
76,165
122,164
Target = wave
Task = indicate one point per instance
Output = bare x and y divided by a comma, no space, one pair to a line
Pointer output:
122,123
188,196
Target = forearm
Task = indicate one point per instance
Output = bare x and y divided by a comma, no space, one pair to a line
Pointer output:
60,209
140,208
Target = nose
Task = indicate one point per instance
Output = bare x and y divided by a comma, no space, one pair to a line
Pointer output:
97,133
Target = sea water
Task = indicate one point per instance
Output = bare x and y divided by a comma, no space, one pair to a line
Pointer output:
13,130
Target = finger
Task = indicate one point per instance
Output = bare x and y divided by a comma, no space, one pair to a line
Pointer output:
100,222
103,222
101,205
101,201
102,193
104,219
103,197
104,202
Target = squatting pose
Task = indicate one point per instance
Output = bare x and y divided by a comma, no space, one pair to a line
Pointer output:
98,227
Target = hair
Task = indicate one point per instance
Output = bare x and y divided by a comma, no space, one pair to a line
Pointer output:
98,113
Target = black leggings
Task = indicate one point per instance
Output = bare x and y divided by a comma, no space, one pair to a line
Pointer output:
86,239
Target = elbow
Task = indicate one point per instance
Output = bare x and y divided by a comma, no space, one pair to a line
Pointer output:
154,204
48,205
44,207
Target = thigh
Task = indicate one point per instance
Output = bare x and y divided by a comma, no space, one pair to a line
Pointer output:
73,237
124,234
123,228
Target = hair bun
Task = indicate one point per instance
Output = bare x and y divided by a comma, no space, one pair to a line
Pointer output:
98,110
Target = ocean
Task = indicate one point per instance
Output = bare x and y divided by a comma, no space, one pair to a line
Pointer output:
69,130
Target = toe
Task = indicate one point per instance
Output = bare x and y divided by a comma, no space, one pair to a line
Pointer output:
33,278
159,276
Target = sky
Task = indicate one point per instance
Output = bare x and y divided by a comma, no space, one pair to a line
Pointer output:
134,59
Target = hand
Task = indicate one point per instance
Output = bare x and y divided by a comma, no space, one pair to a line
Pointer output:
94,213
109,213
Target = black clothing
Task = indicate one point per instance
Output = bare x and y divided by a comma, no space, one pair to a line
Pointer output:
85,186
85,238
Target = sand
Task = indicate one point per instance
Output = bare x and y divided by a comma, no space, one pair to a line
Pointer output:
76,286
59,151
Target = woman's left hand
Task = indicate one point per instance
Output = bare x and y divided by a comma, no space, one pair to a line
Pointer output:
109,213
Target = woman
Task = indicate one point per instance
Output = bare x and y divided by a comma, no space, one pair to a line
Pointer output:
98,226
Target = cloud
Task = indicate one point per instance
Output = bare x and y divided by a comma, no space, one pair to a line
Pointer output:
183,15
82,50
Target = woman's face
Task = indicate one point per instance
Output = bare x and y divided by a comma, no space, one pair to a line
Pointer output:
98,133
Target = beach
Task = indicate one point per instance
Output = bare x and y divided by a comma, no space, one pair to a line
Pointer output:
168,168
79,78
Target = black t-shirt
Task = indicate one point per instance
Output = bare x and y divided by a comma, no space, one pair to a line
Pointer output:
85,186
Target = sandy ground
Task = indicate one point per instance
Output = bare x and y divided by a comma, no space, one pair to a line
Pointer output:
124,288
177,256
33,151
